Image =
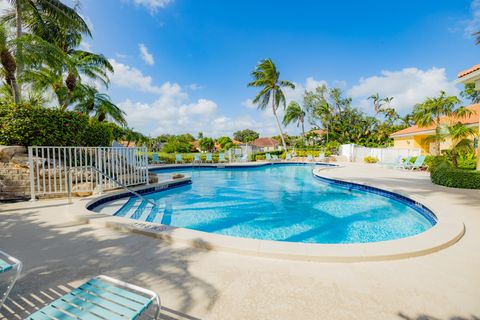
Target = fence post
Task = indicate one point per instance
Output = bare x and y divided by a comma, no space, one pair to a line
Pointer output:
32,174
145,164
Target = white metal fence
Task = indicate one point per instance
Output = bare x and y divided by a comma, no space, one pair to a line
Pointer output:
50,168
356,153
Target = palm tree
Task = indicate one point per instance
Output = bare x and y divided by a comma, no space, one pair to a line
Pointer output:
9,65
293,113
36,15
459,133
90,101
266,77
432,109
377,102
325,113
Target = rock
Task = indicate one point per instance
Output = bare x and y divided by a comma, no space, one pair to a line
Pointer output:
82,189
177,176
152,177
7,152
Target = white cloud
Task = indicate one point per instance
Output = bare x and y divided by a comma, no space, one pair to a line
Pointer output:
85,46
194,87
4,5
249,104
146,56
129,77
153,5
473,24
408,86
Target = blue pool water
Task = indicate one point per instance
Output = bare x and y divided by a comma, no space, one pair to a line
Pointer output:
277,202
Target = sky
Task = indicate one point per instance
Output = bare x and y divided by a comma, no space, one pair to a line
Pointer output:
183,65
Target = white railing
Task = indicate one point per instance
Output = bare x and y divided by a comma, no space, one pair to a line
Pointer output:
356,153
50,166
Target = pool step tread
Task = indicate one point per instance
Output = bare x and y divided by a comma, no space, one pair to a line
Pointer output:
130,210
148,208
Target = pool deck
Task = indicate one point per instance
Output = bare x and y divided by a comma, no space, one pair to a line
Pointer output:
59,252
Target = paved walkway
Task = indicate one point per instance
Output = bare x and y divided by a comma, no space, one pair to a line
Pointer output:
60,253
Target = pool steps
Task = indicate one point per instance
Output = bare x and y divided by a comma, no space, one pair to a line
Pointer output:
142,210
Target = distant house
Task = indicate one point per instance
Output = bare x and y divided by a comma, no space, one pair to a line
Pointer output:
414,136
265,145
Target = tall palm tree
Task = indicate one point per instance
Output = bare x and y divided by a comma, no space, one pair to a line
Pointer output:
98,104
9,65
377,102
35,14
267,77
432,109
325,113
295,113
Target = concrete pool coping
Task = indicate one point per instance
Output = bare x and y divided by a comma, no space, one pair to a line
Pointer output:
444,233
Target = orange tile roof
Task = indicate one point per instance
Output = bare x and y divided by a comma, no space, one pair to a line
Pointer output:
468,71
265,142
319,132
472,118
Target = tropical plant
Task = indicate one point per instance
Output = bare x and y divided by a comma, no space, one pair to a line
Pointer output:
206,144
225,143
9,65
378,102
295,113
91,102
267,77
430,111
471,93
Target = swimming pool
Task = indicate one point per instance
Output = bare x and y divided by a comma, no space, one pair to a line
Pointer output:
282,202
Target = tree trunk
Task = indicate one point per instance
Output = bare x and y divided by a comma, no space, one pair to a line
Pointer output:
18,13
278,122
15,91
303,130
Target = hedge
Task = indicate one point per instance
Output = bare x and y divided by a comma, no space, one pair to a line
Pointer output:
448,176
27,125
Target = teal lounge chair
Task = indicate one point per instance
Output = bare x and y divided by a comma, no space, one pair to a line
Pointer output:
310,158
275,157
417,164
221,157
244,158
405,163
196,158
156,158
288,157
209,158
396,163
268,157
101,298
9,267
178,158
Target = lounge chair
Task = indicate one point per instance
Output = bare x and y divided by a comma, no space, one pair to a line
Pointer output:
404,164
8,265
221,157
196,158
288,157
209,158
244,158
101,298
417,164
178,158
275,157
310,158
321,157
268,157
156,158
396,163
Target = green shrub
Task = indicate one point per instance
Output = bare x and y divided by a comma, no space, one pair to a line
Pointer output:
445,175
27,125
370,159
467,161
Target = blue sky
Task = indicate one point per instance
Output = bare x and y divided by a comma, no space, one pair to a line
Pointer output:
183,65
